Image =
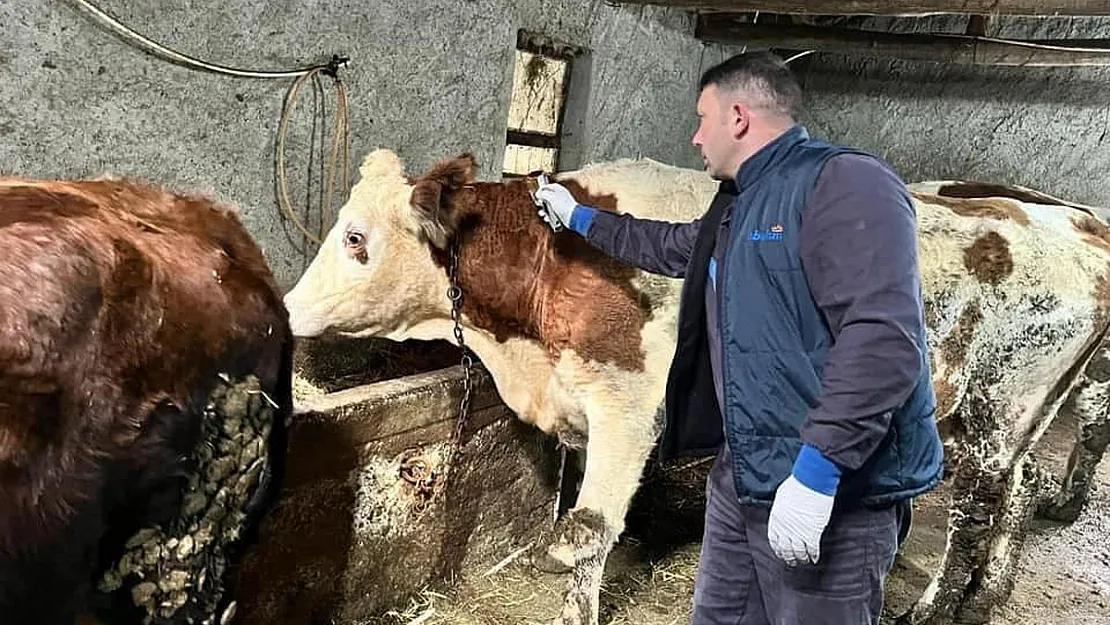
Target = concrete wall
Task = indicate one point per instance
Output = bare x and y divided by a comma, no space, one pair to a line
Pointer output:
427,79
433,77
1046,128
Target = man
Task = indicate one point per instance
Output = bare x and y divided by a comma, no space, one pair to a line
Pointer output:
801,344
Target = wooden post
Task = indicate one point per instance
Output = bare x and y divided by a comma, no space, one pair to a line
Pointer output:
962,49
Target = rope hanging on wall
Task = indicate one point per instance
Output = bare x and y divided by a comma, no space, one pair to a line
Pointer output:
339,149
340,125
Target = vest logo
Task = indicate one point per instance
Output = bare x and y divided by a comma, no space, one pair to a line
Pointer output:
775,233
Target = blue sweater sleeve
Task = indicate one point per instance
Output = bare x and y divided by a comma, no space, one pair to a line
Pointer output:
858,244
581,218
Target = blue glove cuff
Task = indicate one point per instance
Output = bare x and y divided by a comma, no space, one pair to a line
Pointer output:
815,471
581,218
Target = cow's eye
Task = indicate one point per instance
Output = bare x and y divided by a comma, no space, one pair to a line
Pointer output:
354,239
354,243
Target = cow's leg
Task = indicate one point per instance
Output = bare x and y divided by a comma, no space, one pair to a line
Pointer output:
1090,402
978,491
992,584
557,556
617,448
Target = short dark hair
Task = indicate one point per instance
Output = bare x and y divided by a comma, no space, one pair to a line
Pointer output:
763,75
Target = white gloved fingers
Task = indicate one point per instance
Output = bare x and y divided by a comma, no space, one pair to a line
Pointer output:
792,550
797,554
813,550
555,193
780,541
549,219
774,538
797,521
560,201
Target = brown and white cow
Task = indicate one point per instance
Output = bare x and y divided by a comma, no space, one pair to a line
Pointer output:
580,345
145,379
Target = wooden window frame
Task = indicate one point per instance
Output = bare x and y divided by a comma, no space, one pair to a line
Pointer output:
543,45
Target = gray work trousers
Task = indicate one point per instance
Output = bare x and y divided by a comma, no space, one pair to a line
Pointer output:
740,581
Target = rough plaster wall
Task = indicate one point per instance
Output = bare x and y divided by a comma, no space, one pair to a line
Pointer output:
1045,128
428,79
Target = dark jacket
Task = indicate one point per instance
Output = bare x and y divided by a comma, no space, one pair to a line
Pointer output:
816,330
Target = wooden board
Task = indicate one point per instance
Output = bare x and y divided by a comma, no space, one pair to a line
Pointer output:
349,541
961,49
894,7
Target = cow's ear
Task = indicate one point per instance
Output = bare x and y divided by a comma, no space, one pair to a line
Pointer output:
432,197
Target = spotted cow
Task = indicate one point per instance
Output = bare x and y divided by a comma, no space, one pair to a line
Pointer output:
579,345
145,379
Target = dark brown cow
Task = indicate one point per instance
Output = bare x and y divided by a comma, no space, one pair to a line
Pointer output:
131,321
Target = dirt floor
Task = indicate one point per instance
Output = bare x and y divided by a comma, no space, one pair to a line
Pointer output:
1063,574
1064,571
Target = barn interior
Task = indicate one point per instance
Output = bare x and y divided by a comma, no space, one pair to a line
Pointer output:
1006,91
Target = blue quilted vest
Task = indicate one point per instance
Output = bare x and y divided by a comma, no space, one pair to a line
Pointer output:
774,341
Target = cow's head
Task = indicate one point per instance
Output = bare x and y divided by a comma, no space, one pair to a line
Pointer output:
374,274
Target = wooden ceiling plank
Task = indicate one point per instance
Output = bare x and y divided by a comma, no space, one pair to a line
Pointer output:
895,7
961,49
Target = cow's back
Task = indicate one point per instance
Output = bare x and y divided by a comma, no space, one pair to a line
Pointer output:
1015,293
649,189
120,306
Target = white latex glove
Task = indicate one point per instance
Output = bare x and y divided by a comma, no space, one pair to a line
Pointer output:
798,518
560,201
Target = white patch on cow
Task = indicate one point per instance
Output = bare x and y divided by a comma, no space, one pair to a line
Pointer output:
1001,553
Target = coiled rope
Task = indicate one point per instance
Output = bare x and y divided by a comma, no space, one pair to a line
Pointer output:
340,125
340,143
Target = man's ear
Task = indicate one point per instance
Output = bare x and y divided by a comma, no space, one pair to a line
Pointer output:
739,119
432,195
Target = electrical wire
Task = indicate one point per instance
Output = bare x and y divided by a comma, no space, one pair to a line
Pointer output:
340,125
178,57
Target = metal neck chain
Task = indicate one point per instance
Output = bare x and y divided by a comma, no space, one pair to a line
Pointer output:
454,293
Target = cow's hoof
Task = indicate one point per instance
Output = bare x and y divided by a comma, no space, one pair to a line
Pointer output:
917,615
1061,509
546,561
556,556
572,616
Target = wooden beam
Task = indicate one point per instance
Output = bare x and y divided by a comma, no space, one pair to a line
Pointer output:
961,49
532,139
894,7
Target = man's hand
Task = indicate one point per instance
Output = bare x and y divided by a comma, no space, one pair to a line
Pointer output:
802,507
559,202
798,518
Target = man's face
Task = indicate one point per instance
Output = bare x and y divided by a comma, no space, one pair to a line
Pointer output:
721,126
